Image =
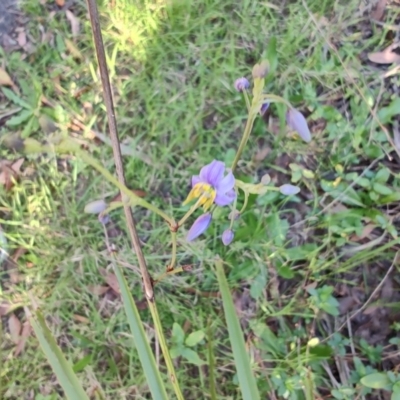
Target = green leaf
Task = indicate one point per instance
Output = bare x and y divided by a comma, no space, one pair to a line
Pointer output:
192,356
258,284
62,369
19,118
246,378
386,113
176,351
382,175
178,335
377,380
82,363
15,99
194,338
277,228
272,55
141,341
382,189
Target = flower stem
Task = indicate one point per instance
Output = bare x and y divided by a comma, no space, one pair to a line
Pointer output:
174,251
190,212
134,199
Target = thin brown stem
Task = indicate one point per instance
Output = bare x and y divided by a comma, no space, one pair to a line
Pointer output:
112,123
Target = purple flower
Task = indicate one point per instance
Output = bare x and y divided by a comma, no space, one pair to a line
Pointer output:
212,186
289,190
296,121
264,108
199,226
227,237
241,84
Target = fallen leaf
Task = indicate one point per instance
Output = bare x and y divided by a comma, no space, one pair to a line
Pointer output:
81,319
26,331
5,79
98,290
386,56
10,171
21,39
60,3
75,24
111,280
14,325
262,154
379,10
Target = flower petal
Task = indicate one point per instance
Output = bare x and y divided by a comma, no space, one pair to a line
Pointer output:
226,184
199,226
296,121
223,199
227,237
195,180
289,190
213,173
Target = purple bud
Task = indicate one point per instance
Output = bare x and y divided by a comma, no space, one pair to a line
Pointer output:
227,237
199,226
296,121
104,219
264,108
289,190
95,207
241,84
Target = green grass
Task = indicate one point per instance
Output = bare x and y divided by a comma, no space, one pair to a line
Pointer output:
173,66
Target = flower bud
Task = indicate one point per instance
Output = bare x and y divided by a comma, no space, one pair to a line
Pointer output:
296,121
241,84
264,108
227,237
289,190
260,70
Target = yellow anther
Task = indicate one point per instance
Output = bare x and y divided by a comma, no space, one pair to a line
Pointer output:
204,193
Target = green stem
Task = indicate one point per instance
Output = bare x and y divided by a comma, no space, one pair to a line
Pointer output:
190,212
245,137
174,251
164,349
135,200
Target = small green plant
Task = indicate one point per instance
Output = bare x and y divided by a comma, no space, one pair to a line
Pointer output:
183,345
321,299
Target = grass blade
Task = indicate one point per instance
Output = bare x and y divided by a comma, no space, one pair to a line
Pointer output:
211,362
63,370
246,378
146,356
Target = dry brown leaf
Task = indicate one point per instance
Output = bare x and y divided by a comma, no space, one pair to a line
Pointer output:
5,79
21,39
14,325
26,331
111,280
365,233
75,24
379,10
60,3
98,290
10,171
262,154
386,56
81,318
5,308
